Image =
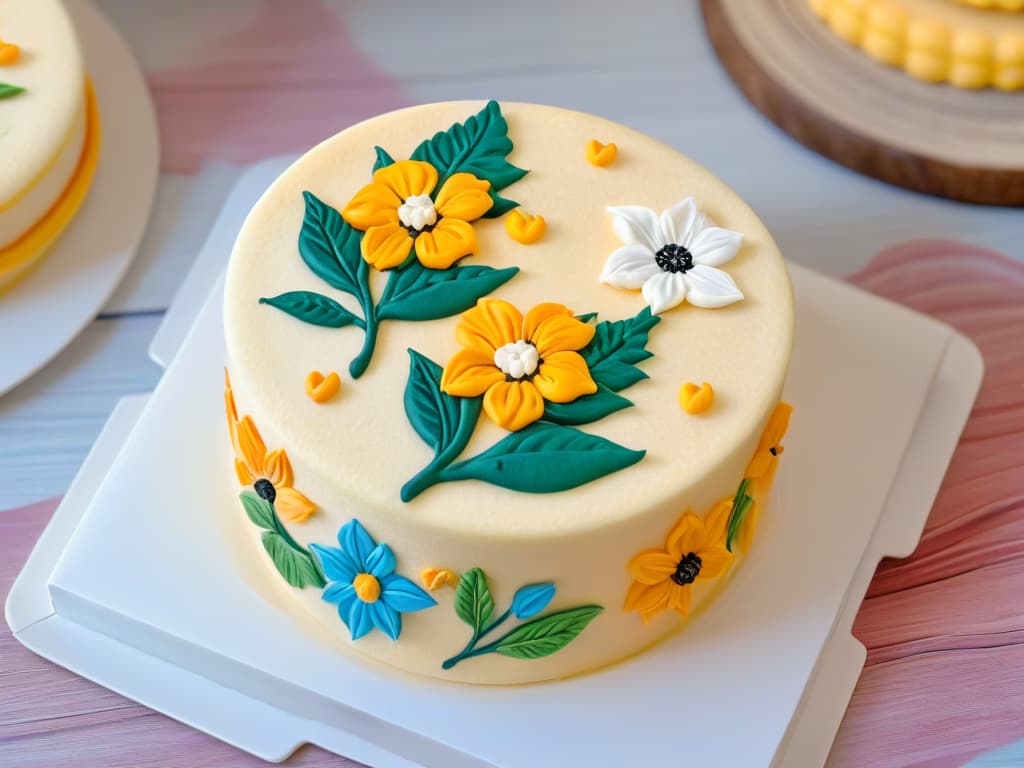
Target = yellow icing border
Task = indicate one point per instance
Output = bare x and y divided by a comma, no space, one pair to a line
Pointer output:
19,256
928,50
999,5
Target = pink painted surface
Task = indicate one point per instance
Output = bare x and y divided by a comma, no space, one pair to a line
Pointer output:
944,628
247,96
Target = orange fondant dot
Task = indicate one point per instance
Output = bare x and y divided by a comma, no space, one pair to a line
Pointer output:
525,228
367,587
601,154
322,388
9,53
694,399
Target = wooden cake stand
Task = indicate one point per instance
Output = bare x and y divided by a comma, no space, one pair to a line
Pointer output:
828,95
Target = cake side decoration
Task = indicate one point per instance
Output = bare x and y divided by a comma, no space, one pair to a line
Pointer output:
7,91
673,257
435,578
413,221
363,583
694,551
535,639
320,388
9,54
537,376
758,478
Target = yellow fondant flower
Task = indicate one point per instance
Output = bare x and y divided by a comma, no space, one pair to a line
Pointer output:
269,473
694,551
400,214
517,363
761,469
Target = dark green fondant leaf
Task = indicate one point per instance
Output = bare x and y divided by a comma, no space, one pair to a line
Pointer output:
586,317
741,504
615,349
383,159
313,308
259,510
478,146
434,415
586,409
7,90
544,458
548,634
330,247
473,601
418,293
296,566
499,205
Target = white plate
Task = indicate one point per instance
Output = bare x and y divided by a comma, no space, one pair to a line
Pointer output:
48,308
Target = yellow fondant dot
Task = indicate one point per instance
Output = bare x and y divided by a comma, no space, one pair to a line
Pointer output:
367,587
524,228
9,53
694,399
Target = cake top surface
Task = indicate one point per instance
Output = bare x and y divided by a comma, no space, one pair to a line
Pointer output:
36,122
363,439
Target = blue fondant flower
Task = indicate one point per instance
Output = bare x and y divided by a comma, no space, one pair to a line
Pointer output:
362,581
532,599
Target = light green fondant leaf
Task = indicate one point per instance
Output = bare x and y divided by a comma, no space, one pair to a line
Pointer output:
7,90
478,146
546,635
544,458
741,504
615,349
313,308
330,247
259,510
418,293
586,409
383,159
473,601
296,566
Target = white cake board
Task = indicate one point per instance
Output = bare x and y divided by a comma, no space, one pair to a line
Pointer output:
761,678
50,306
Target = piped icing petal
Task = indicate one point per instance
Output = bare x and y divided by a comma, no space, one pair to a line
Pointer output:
386,246
553,328
449,241
492,323
635,224
652,566
381,561
407,178
293,505
356,543
563,377
469,373
464,196
714,246
710,288
513,405
664,291
630,267
681,223
404,595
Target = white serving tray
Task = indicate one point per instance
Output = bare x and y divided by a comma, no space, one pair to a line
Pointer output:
46,309
762,678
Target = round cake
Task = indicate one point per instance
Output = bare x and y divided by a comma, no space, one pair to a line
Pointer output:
49,131
968,44
503,387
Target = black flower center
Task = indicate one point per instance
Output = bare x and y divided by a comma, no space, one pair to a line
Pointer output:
674,258
265,490
773,451
414,233
687,570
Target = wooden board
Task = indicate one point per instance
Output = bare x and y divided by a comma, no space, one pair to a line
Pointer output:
879,121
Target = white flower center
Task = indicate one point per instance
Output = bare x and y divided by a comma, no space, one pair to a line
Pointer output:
417,212
517,359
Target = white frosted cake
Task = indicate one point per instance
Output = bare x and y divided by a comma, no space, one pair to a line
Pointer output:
504,388
49,131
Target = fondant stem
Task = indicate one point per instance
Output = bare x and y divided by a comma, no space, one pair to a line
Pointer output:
433,473
468,650
358,366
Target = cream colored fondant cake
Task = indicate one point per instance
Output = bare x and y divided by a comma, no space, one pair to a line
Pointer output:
49,131
966,43
501,444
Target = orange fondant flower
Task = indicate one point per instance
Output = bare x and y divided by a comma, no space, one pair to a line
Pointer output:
400,214
269,474
517,363
694,551
761,469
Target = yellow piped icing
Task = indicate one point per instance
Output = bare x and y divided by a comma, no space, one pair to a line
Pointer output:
435,578
601,154
930,47
18,257
696,399
9,53
524,228
322,388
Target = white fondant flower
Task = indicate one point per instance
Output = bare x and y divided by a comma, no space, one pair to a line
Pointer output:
672,258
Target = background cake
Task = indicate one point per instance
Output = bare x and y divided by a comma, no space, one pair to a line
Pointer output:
49,131
966,43
500,444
